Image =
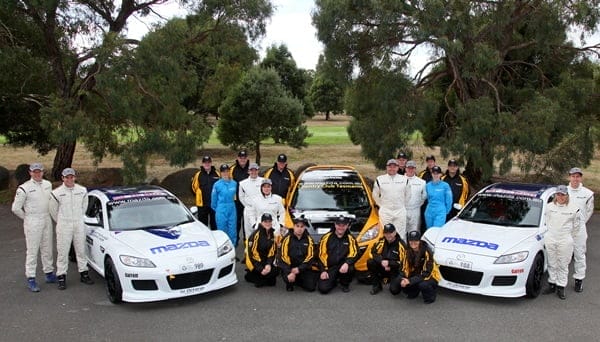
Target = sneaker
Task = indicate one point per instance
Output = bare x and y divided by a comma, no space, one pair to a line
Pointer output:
560,292
50,277
62,282
85,278
578,285
345,288
32,285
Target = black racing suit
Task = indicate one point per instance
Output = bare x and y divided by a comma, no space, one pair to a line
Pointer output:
421,271
260,252
333,252
282,180
384,250
202,184
460,191
298,252
238,174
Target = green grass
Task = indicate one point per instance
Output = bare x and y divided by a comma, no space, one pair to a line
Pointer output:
321,135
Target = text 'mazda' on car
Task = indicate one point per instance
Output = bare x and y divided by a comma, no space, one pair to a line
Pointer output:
148,246
324,192
495,245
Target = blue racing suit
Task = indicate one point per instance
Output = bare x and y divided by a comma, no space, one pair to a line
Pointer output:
223,203
439,203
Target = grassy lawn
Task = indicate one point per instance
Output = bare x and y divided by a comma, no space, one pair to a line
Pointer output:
320,135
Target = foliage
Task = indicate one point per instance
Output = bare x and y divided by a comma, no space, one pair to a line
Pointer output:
326,92
257,107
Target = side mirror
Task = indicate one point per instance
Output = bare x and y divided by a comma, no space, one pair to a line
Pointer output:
457,206
194,210
92,221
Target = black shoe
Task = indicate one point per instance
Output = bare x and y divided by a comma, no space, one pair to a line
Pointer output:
578,285
85,278
375,289
560,292
345,288
62,282
550,289
289,287
428,301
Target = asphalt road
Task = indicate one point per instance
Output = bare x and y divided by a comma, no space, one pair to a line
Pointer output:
245,313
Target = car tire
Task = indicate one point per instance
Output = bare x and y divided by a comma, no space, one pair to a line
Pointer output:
114,291
533,286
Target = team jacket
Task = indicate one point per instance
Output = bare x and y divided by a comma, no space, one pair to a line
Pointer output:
260,249
202,184
426,175
282,180
417,267
32,199
334,251
391,251
296,252
239,172
459,186
68,204
391,192
564,221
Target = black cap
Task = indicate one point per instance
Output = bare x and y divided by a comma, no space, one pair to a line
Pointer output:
206,159
266,217
282,158
452,162
430,157
242,153
342,220
300,219
413,235
389,228
402,155
224,167
436,169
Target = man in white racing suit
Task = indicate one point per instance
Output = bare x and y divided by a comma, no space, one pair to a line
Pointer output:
417,196
31,205
270,203
67,207
390,193
584,199
248,189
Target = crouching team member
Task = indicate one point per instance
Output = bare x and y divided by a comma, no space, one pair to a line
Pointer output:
296,258
260,254
385,257
418,273
337,254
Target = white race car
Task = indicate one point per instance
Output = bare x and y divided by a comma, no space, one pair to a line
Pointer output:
148,246
495,245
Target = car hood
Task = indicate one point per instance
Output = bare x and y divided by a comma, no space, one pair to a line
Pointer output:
184,240
477,238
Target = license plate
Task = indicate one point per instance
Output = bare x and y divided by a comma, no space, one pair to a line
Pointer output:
467,265
322,231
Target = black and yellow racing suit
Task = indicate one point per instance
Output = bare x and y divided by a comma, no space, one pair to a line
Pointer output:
260,252
384,250
202,184
333,252
421,271
298,252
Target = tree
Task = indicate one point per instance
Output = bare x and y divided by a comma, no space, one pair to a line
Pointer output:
326,95
80,41
501,81
255,108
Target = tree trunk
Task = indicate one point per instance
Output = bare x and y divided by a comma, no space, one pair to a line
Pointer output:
327,116
63,158
258,153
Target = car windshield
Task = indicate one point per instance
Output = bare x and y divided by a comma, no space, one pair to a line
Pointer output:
340,191
513,211
150,212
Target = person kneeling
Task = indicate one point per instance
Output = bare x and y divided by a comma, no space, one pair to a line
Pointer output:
418,273
260,254
296,258
385,257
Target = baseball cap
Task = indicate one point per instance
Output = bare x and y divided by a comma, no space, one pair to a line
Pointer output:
266,217
575,170
430,157
452,162
401,155
342,220
224,167
266,181
36,166
300,219
389,228
68,171
391,161
206,159
242,153
436,169
413,235
282,158
411,163
562,189
253,166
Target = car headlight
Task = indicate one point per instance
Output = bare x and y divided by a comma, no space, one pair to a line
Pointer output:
136,262
370,234
512,258
224,248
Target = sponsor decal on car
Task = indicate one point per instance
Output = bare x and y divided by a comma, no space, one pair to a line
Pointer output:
177,246
470,242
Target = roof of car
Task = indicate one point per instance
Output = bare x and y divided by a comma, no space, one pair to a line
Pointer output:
518,189
116,193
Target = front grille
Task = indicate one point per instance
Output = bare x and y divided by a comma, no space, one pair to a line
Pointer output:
225,271
460,276
187,280
504,280
144,285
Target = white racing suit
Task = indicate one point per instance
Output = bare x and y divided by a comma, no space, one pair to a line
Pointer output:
67,207
584,199
248,189
272,204
417,196
563,222
31,205
391,195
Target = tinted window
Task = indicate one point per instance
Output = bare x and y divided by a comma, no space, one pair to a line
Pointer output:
147,212
340,191
504,210
94,208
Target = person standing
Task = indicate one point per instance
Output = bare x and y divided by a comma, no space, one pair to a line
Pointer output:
240,171
67,207
296,258
584,199
417,197
458,185
402,158
283,178
418,272
260,254
337,253
426,174
31,205
249,188
563,220
384,262
439,199
268,202
390,193
202,184
223,203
